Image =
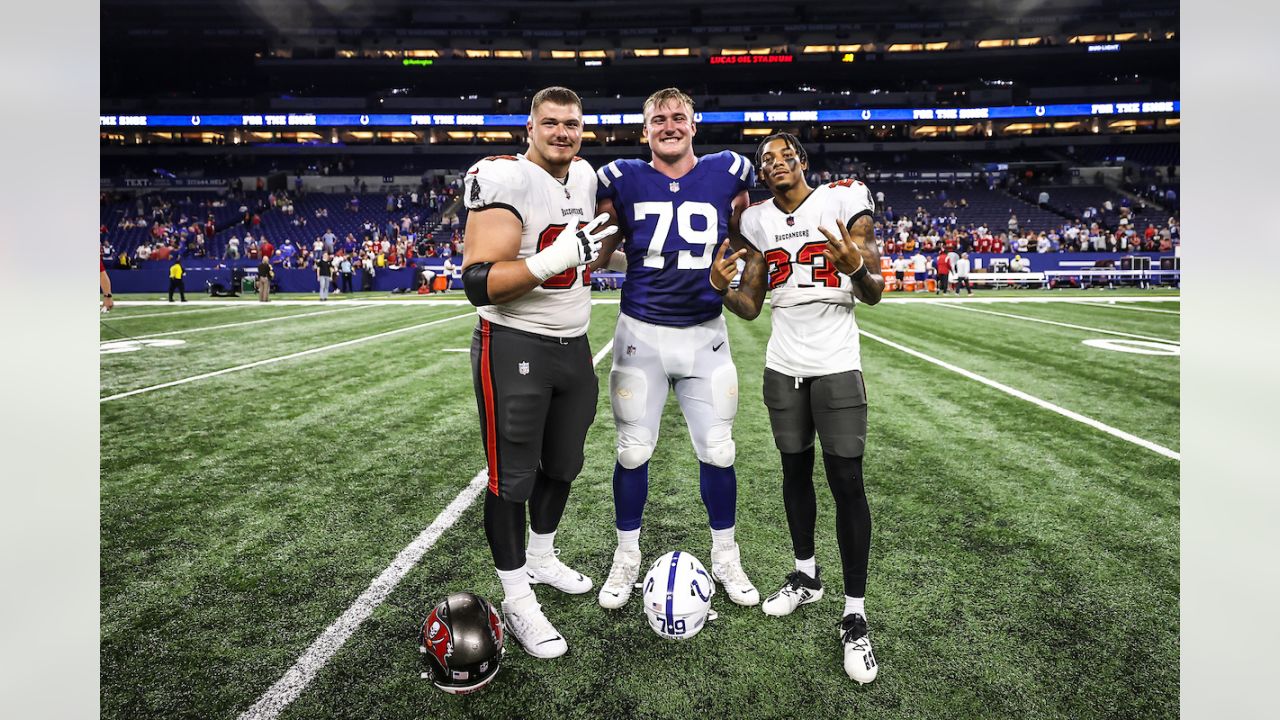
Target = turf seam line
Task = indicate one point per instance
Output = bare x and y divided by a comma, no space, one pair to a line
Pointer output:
297,678
242,323
282,358
1066,325
1153,447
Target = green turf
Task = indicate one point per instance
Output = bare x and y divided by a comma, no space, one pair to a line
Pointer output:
1023,565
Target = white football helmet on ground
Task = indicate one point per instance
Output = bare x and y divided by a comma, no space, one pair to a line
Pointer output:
677,596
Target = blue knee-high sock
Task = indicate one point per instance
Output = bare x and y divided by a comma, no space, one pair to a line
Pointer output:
630,492
719,493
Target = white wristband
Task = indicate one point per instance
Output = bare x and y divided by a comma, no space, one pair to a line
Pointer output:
540,268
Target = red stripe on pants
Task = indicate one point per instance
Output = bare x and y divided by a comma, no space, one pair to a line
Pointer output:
490,418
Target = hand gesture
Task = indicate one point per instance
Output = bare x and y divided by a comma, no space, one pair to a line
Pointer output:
725,268
843,251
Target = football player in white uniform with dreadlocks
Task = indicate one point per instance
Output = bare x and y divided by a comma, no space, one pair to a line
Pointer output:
815,249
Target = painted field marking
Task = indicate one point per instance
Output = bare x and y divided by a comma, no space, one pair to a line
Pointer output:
1065,325
1112,305
1137,347
282,358
246,322
317,655
115,318
1128,437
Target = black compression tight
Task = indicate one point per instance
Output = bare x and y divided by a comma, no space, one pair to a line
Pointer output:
504,520
853,520
799,501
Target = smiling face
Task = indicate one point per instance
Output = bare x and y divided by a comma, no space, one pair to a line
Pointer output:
781,166
555,132
669,129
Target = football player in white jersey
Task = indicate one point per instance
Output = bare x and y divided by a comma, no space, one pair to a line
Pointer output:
530,234
817,249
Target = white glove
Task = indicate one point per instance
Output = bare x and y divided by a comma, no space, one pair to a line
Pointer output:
571,248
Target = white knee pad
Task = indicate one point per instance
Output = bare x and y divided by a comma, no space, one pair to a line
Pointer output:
633,455
724,391
721,453
628,391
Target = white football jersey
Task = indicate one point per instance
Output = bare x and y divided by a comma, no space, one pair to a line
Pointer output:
561,306
814,332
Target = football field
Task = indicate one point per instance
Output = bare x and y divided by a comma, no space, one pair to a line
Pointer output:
287,489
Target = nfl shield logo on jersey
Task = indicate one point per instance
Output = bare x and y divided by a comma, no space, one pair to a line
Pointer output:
791,221
524,368
675,186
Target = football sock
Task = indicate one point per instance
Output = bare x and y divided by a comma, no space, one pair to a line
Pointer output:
799,501
546,503
630,491
722,539
629,540
719,488
808,567
855,605
541,543
504,529
853,520
515,583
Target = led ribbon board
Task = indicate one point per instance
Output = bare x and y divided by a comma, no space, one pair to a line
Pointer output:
297,120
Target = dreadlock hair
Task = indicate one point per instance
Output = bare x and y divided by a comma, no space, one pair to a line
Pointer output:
792,142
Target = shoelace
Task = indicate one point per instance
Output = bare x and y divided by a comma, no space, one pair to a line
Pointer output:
734,574
855,630
531,622
794,583
621,573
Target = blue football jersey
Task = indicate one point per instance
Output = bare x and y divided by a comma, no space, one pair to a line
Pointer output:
672,230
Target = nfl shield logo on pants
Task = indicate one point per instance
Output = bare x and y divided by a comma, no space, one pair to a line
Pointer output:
524,368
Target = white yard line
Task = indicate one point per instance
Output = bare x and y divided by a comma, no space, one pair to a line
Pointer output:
239,324
1125,306
1153,447
115,318
282,358
894,299
304,670
1065,325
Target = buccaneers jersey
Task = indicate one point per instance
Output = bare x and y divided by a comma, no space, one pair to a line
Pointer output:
561,306
814,332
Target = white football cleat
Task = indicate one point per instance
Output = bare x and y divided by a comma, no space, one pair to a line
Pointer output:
859,661
726,568
799,589
547,569
622,579
532,629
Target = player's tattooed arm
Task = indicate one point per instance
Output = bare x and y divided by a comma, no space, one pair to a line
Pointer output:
748,299
606,259
854,253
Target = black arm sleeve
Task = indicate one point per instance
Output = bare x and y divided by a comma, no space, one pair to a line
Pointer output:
475,282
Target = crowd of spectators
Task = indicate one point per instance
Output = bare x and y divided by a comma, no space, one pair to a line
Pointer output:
418,223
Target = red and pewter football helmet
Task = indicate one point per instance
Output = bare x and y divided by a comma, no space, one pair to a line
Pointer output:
462,639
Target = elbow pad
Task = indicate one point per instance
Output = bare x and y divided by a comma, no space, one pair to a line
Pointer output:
475,282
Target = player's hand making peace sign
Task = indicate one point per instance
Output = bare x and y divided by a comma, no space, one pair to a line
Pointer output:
843,252
725,268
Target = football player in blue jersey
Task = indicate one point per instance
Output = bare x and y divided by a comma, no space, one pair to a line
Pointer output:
672,213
